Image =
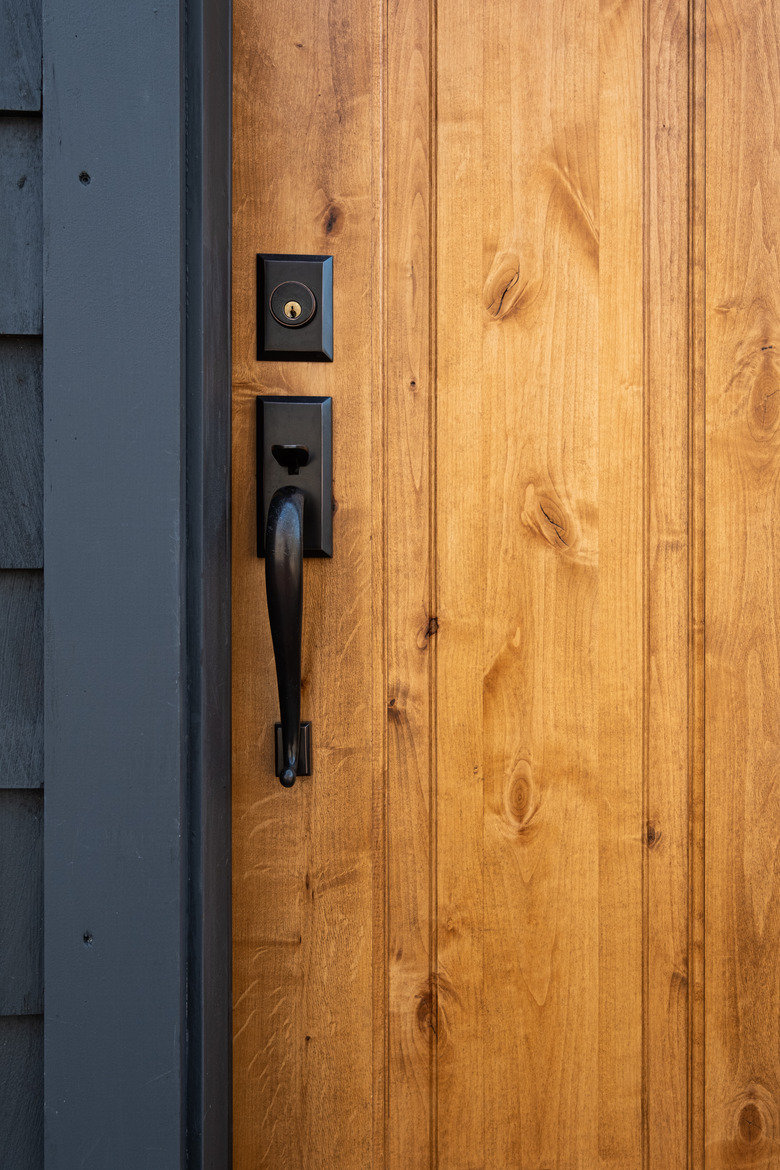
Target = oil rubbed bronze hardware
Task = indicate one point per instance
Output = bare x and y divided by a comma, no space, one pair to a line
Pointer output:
293,304
284,591
294,520
290,455
294,308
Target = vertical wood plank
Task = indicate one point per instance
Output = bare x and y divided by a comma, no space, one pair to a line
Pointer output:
697,326
307,180
555,731
742,939
621,663
411,617
460,571
669,537
540,513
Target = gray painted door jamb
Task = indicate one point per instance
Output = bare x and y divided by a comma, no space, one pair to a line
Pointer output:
136,115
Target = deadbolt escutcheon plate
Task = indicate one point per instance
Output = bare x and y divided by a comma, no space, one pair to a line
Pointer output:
294,308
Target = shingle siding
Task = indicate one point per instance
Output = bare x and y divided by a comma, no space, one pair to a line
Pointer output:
21,453
21,906
21,680
21,225
20,55
21,588
21,1092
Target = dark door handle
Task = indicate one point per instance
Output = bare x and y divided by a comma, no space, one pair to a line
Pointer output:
284,590
294,520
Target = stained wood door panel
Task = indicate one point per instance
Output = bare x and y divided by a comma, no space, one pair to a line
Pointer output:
523,915
673,520
742,975
304,902
407,884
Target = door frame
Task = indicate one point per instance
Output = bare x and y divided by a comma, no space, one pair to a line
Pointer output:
137,155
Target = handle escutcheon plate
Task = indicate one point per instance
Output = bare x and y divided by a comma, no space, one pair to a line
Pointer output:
294,520
294,445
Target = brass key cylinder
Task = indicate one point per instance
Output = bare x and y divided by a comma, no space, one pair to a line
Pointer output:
292,304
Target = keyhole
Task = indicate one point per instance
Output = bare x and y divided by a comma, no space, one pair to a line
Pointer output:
292,310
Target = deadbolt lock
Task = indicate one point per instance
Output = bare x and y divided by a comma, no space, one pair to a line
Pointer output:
294,308
292,304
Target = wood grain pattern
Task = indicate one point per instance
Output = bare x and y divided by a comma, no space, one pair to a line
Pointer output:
621,621
742,987
671,532
533,978
412,621
20,55
697,326
555,349
306,180
21,906
21,453
21,679
21,226
21,1092
460,555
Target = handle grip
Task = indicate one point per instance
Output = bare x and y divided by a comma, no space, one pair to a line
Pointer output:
284,591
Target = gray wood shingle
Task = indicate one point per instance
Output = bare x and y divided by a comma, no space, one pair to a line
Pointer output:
21,1093
21,904
21,453
21,679
21,225
20,55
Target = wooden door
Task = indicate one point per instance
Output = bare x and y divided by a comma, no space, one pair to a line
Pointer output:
525,914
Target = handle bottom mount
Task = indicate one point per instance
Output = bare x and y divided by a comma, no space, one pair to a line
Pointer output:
304,750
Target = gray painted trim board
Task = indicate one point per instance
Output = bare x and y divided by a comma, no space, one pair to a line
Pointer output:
136,422
114,516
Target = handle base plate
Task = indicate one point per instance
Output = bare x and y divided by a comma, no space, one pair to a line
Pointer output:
288,423
304,749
